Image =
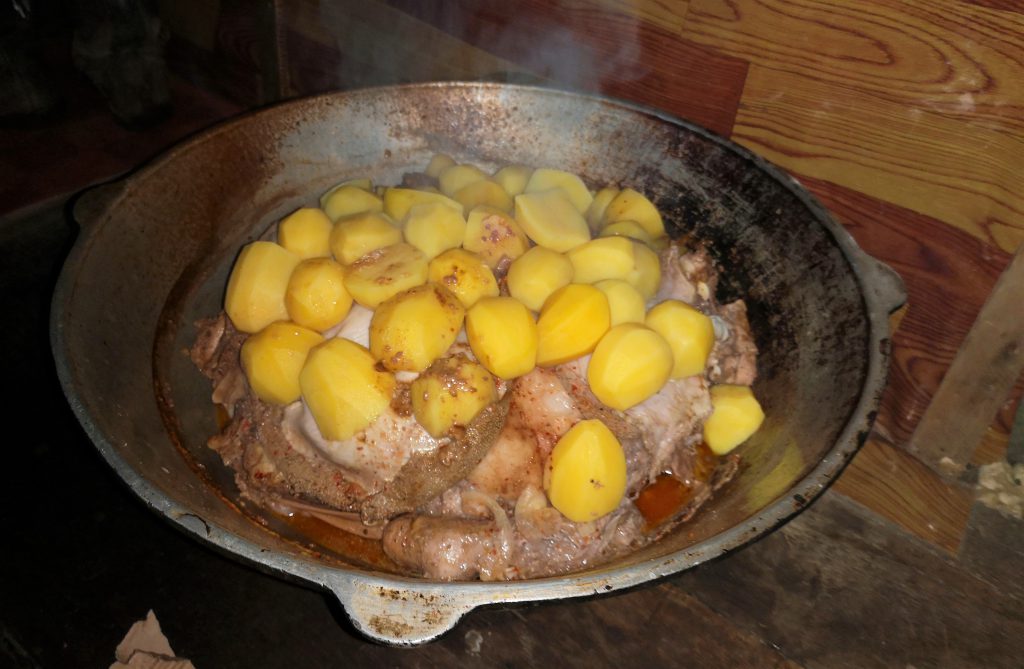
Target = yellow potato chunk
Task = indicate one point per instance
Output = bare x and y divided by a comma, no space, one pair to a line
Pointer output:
382,274
630,205
434,227
438,163
595,212
255,294
602,258
550,219
354,236
631,363
306,233
415,327
343,388
398,201
363,183
493,235
586,476
630,229
571,323
273,358
689,332
513,178
487,193
735,416
625,302
503,336
536,274
571,185
348,200
457,177
646,274
451,392
316,297
464,274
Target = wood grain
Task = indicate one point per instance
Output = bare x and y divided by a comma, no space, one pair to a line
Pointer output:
980,377
895,485
838,587
943,56
921,160
581,45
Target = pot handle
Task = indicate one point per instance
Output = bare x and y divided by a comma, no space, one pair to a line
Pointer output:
92,203
399,616
885,285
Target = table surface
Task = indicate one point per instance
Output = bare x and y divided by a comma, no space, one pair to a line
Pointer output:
904,118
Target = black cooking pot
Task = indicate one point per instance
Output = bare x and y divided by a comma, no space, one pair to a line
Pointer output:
156,248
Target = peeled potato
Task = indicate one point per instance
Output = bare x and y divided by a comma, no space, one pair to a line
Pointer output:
273,358
493,235
434,227
536,274
571,323
316,297
349,200
571,185
625,302
513,178
503,336
586,478
630,364
630,205
629,229
306,233
486,193
602,258
595,212
343,388
438,163
451,392
256,288
646,274
735,415
363,183
551,220
689,332
398,201
415,327
453,179
383,273
464,274
354,236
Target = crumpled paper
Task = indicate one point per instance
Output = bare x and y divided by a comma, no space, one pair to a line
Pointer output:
146,647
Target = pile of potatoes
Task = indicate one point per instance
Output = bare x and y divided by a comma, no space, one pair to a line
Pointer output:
579,270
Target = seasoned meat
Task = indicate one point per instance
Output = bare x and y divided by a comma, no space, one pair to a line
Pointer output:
734,356
427,475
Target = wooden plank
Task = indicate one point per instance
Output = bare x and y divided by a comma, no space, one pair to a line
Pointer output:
896,486
838,587
350,45
654,626
981,377
948,275
585,47
920,160
669,15
933,55
993,548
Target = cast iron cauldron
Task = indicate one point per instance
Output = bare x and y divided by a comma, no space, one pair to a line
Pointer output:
155,250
